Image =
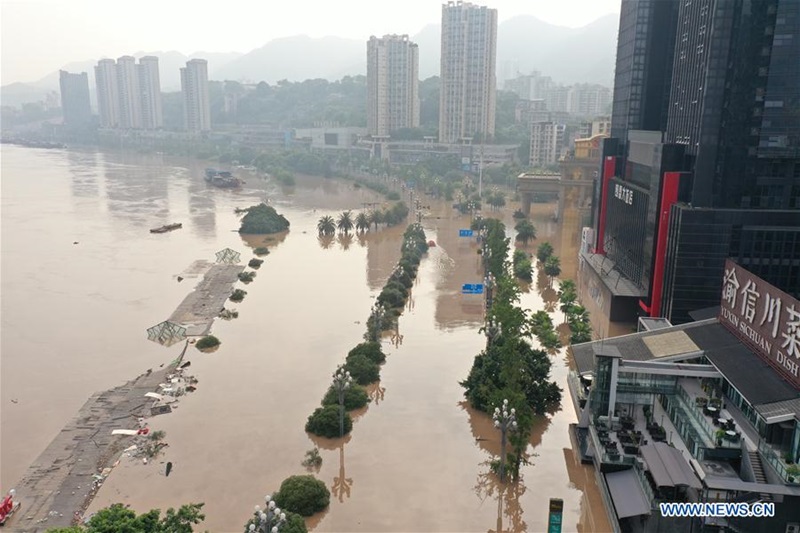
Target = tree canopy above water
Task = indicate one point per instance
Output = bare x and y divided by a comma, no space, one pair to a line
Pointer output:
263,219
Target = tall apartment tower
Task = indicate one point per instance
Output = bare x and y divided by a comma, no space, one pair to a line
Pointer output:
196,104
105,75
150,93
468,79
392,84
547,142
75,99
130,102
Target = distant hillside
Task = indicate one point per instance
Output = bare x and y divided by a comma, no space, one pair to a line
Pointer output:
568,55
298,58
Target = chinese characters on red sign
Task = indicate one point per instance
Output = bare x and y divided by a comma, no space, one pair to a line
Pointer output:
765,318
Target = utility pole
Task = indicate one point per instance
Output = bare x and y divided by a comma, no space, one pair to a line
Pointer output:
480,175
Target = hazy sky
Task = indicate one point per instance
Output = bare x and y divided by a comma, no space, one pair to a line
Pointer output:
40,36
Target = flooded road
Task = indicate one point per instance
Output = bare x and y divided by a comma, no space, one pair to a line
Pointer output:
74,319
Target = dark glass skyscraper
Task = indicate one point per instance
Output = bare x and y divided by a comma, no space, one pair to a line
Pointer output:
644,63
735,101
721,80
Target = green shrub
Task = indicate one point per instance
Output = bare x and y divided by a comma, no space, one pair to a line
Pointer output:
304,495
255,263
393,196
391,298
263,219
523,270
238,295
393,285
209,341
261,250
355,397
246,277
324,421
363,370
372,350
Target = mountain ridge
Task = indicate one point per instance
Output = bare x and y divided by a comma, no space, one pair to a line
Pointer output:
568,55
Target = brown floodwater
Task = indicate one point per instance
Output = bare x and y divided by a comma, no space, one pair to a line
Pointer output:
74,318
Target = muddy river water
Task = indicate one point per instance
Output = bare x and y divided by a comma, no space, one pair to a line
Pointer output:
82,279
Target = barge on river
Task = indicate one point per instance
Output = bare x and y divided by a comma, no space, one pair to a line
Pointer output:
168,227
222,178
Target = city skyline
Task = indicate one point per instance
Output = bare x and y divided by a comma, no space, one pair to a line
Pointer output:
90,29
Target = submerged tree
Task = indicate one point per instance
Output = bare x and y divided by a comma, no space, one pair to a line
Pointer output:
326,225
345,222
362,222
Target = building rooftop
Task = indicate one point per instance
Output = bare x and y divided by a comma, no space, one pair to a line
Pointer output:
753,377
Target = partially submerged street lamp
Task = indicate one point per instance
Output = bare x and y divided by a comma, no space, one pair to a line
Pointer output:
505,420
269,520
341,382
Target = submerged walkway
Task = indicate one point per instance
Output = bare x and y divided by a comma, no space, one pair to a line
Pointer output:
201,306
60,480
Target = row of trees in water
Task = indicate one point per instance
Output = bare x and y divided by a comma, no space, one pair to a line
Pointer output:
362,364
362,222
509,368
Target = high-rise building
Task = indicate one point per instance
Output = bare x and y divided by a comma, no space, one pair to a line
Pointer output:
644,63
547,143
196,104
105,75
75,103
392,84
468,78
130,101
588,99
720,175
150,91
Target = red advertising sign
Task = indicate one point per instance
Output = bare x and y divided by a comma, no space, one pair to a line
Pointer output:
763,317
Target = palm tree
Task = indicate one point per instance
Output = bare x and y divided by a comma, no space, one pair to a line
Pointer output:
552,267
326,225
362,222
375,217
544,251
526,231
345,222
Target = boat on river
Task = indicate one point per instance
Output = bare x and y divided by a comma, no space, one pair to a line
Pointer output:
222,178
168,227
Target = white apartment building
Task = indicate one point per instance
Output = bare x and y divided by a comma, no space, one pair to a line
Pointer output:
392,84
547,143
129,95
196,103
130,102
105,75
150,92
468,64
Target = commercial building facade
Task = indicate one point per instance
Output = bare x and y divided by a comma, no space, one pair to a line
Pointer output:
468,65
392,84
725,127
704,412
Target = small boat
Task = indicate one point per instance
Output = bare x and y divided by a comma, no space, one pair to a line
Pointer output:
168,227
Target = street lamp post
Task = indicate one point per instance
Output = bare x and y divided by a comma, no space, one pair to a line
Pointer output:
505,420
269,520
341,382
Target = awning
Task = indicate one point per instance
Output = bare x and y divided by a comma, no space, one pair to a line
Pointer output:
627,494
668,467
